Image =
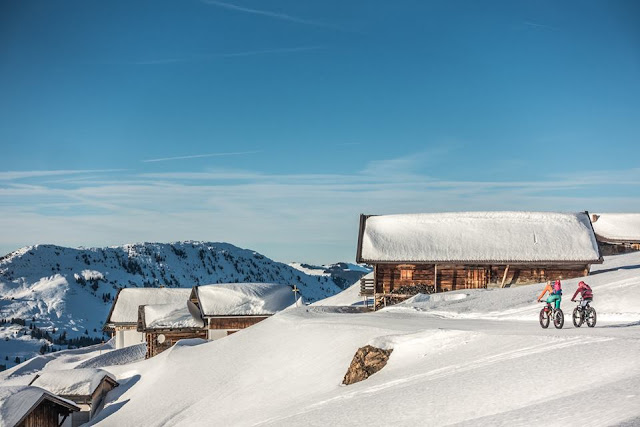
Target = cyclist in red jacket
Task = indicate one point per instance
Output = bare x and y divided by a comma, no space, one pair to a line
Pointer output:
585,292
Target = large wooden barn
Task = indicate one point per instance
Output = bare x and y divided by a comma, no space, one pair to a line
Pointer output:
28,406
86,387
425,253
123,317
165,324
228,307
617,233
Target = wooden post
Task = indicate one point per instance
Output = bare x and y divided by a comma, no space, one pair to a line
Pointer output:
504,277
435,278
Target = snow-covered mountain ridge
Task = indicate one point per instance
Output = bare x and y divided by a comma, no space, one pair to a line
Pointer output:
67,289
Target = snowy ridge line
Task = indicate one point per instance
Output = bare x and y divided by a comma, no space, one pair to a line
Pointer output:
72,290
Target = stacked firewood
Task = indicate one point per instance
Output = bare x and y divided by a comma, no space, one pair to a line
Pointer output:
414,289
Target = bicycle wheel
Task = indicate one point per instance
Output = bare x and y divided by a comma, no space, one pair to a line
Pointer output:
591,317
558,319
544,318
577,317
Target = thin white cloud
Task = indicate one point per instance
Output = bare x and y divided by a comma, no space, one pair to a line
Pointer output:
538,26
198,156
271,51
205,57
13,175
308,217
276,15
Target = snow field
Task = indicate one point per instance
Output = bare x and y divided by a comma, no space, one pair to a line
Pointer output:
481,359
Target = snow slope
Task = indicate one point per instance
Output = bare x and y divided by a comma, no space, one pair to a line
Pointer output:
72,290
477,365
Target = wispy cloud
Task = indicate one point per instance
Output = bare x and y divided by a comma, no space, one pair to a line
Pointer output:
270,14
13,175
207,57
308,216
537,25
198,156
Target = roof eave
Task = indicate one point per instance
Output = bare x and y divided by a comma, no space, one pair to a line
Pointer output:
485,262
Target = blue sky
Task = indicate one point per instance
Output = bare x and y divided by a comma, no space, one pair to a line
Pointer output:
273,124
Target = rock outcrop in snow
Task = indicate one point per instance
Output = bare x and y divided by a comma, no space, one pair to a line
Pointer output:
367,361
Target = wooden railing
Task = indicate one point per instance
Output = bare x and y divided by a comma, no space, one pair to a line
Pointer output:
367,287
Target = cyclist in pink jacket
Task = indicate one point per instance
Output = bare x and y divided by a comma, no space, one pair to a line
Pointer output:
585,293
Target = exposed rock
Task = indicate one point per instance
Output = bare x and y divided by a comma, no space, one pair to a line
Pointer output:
367,361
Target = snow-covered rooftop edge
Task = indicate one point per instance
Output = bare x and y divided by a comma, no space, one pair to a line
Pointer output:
169,316
479,237
244,299
17,401
72,382
125,307
617,227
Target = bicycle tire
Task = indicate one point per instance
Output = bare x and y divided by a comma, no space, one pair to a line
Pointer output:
544,319
558,319
591,320
579,319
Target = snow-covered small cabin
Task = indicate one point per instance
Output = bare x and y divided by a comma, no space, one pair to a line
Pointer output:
165,324
27,406
424,253
86,387
228,307
617,233
123,317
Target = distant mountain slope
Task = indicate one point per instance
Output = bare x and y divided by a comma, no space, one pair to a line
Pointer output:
343,274
71,290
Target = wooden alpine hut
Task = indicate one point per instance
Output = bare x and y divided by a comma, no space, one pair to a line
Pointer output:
617,233
123,317
226,308
28,406
436,252
164,324
86,387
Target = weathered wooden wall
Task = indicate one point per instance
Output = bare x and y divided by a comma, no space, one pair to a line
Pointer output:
44,415
618,248
234,322
171,337
390,277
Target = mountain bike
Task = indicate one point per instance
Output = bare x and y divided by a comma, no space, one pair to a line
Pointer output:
584,314
548,313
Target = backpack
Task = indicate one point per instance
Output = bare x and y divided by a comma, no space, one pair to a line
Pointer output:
557,288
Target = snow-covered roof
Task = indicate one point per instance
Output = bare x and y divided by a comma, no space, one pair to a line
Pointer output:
243,299
617,227
480,237
16,402
169,316
125,307
72,382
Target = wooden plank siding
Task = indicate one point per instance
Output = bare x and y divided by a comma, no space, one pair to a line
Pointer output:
234,322
171,337
45,415
390,277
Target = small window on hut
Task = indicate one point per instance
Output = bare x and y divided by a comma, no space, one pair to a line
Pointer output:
406,272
